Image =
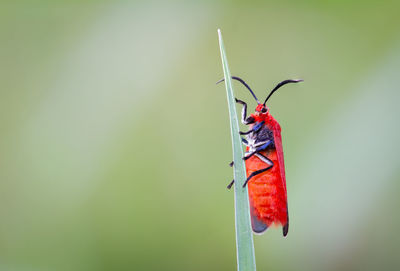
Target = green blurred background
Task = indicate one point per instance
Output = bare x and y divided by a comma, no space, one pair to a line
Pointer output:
115,140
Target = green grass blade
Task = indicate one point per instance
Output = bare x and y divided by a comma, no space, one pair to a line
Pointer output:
244,235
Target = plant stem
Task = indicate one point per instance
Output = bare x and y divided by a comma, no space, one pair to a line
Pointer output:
244,235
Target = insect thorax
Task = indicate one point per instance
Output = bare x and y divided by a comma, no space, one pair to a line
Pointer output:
262,135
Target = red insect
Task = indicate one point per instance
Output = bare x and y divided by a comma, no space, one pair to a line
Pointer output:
264,165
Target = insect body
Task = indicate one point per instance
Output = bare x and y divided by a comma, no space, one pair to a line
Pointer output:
264,165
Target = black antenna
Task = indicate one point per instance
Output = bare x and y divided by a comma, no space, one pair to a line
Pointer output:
244,83
281,84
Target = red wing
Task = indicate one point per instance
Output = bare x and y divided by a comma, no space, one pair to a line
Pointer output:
276,129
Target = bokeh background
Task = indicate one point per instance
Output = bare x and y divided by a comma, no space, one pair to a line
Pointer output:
114,139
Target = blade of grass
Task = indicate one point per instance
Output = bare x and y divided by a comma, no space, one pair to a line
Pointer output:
244,236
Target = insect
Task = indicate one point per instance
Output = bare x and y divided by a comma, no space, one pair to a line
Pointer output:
264,165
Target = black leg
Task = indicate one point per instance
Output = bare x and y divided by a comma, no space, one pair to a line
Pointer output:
250,155
263,147
264,158
244,109
246,133
244,141
249,120
256,173
245,120
255,129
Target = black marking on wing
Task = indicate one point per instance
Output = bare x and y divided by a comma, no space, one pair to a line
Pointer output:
285,229
257,225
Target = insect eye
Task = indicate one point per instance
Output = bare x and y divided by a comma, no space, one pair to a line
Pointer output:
264,110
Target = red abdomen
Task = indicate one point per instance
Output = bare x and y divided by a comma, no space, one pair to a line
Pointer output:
267,194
